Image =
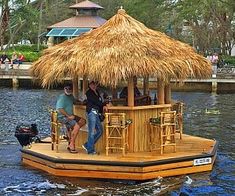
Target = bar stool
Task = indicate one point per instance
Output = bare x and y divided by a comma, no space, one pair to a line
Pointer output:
166,128
116,132
178,107
154,133
56,128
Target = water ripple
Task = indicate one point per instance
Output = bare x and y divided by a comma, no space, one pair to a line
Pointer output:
32,106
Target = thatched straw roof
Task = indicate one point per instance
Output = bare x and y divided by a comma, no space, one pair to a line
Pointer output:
121,48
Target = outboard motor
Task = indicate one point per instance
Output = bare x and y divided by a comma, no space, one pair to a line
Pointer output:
25,133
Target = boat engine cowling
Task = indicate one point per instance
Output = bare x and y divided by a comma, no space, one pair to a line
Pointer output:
25,133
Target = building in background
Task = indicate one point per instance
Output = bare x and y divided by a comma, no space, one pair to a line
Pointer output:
86,19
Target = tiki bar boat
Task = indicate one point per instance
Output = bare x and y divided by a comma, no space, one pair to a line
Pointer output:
141,140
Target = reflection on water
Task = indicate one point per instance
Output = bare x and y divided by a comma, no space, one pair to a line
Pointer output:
32,106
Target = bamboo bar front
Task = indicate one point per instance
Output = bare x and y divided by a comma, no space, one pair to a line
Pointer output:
139,130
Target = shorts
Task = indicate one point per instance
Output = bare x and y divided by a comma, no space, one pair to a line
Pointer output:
70,123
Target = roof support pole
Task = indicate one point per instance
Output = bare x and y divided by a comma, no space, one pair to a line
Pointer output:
75,87
84,85
160,92
168,93
131,101
114,93
50,42
146,85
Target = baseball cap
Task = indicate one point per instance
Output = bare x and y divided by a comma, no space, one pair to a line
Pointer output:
68,87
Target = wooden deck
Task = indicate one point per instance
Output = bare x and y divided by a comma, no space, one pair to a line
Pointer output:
135,166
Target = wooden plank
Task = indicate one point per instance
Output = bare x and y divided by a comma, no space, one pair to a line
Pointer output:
145,107
103,168
38,160
177,171
119,175
168,166
69,166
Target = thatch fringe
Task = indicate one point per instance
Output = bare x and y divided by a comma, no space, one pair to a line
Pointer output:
121,48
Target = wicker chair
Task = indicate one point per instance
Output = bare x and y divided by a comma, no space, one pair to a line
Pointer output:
178,107
56,129
166,128
116,132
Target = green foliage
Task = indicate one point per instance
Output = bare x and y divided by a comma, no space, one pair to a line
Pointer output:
230,60
204,24
29,51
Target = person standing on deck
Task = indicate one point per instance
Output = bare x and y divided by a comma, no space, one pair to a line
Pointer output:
3,58
214,61
14,59
20,59
64,107
95,106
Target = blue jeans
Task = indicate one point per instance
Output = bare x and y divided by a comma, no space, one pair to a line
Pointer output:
95,131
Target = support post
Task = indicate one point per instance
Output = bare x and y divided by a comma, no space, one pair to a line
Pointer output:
50,42
15,82
214,86
161,92
168,93
114,93
146,85
75,87
131,98
84,85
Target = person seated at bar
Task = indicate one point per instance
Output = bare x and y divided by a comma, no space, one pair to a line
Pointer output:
64,107
124,92
139,99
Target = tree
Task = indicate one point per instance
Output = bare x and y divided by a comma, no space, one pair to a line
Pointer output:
205,24
4,20
211,23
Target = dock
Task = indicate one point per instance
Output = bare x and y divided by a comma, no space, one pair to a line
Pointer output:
224,81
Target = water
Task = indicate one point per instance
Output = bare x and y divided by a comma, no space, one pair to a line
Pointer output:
32,106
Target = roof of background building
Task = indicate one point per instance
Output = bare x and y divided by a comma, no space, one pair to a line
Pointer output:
86,5
67,32
80,21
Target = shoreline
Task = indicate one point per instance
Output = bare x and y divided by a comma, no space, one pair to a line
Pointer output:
223,87
20,78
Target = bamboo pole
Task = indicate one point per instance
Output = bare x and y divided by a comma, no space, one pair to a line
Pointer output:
114,93
146,85
131,99
84,85
75,87
168,93
161,93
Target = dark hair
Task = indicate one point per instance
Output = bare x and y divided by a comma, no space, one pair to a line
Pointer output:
92,82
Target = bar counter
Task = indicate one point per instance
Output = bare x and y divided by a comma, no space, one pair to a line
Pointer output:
139,130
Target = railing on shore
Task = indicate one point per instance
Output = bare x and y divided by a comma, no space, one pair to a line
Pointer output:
224,80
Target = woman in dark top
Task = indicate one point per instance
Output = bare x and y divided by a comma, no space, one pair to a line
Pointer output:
3,57
94,108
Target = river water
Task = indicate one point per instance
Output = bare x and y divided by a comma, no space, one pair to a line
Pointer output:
26,105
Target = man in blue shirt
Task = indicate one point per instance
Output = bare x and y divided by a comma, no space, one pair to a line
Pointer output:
64,107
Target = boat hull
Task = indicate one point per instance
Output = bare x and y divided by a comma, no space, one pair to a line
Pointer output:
134,166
